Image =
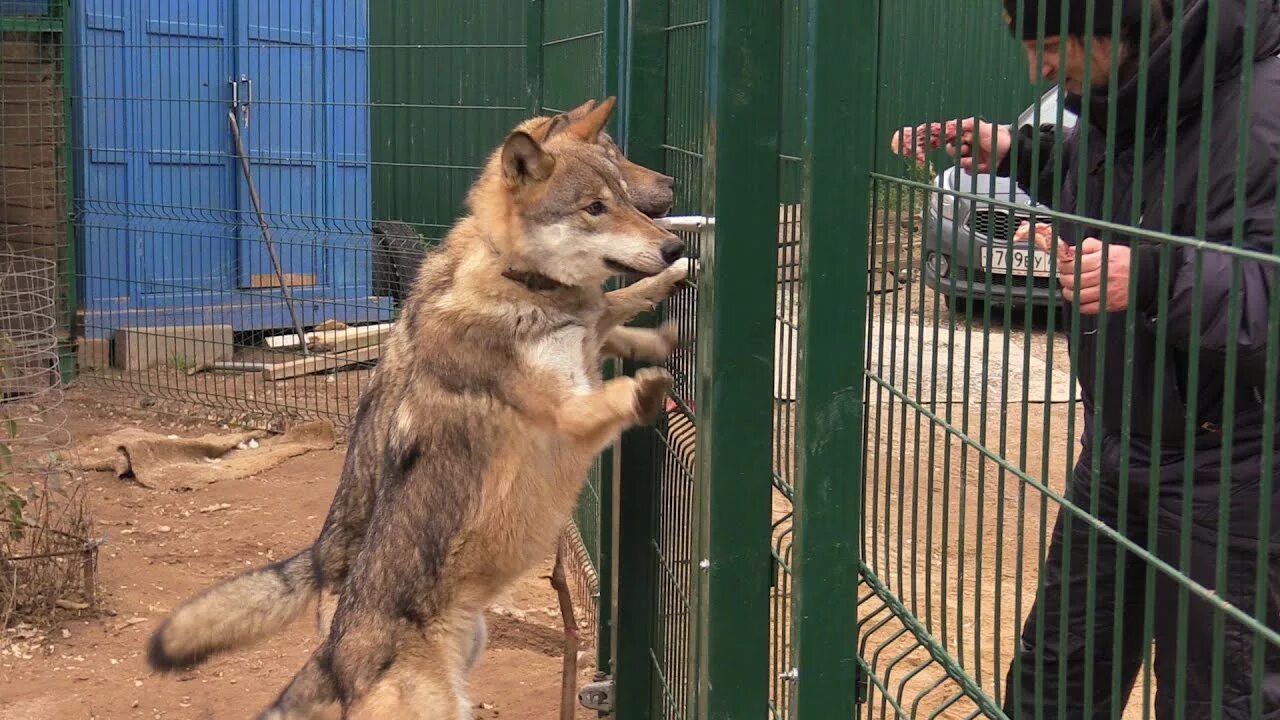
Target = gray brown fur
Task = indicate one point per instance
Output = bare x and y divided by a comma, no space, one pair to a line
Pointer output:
476,433
260,602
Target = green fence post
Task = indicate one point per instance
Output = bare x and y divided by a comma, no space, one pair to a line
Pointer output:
634,506
533,56
643,92
735,336
69,258
615,59
838,157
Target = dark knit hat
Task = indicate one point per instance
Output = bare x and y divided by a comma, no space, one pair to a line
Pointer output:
1103,16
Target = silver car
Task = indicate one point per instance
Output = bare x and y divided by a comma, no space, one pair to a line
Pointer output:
969,253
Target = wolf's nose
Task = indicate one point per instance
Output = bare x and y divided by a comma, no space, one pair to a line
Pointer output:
672,250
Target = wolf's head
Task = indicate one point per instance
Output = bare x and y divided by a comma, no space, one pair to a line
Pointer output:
652,192
567,210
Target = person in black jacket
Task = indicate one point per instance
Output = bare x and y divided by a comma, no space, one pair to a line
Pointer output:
1168,423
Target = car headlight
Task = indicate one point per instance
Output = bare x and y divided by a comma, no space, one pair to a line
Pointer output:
947,205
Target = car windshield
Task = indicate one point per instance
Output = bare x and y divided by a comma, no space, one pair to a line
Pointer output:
1048,111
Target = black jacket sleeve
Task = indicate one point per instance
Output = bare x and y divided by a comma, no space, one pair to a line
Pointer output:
1214,289
1025,144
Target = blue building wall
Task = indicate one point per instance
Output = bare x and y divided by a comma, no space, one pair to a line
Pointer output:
167,231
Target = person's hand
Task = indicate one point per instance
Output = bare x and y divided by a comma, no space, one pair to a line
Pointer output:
978,145
1089,287
1043,237
917,141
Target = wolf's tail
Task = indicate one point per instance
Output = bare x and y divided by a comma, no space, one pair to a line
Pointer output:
234,613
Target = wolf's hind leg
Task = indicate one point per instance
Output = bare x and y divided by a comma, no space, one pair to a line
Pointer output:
427,679
309,693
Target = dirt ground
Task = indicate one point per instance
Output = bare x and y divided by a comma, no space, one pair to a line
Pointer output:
950,534
161,548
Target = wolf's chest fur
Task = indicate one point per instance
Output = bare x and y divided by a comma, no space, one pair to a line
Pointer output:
565,354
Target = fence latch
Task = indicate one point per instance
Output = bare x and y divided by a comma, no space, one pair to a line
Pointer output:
597,696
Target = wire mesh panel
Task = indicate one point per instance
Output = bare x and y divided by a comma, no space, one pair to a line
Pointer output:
658,532
447,82
675,540
694,540
34,144
1070,432
257,183
794,40
949,562
45,548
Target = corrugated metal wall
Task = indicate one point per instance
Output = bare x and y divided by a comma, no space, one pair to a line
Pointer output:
958,59
572,53
942,59
447,83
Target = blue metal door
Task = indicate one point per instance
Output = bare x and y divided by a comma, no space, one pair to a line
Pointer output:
157,201
301,70
167,227
183,199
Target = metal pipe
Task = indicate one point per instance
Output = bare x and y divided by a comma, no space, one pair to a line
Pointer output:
266,232
686,223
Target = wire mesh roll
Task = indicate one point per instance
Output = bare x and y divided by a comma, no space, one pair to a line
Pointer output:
32,423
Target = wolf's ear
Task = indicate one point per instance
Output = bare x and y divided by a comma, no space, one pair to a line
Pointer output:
589,127
551,127
581,111
524,161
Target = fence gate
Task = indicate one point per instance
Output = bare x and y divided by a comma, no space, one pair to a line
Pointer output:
849,507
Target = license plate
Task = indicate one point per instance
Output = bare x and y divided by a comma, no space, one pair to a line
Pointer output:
1019,261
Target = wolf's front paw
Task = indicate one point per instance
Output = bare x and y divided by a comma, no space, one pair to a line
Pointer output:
669,332
652,385
679,271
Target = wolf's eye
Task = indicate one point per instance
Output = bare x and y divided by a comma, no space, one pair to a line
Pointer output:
596,208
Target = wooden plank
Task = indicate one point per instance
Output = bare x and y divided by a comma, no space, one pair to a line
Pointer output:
320,363
269,280
232,365
334,340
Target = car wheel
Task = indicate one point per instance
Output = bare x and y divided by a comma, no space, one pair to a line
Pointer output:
938,264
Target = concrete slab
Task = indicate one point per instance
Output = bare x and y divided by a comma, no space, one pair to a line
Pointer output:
93,354
178,347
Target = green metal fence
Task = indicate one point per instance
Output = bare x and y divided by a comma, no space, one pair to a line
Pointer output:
978,435
919,466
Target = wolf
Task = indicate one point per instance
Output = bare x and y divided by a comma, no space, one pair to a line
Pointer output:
261,601
472,440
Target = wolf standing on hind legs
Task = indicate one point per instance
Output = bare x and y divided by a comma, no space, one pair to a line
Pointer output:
493,409
257,603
